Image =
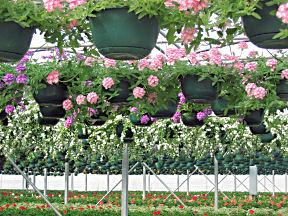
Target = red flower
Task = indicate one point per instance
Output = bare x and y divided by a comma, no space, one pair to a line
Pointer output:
251,211
181,207
156,213
22,208
65,212
81,209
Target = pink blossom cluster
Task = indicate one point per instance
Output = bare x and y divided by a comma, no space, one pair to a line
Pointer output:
243,45
152,63
215,56
188,35
67,104
251,66
109,63
284,74
138,92
187,5
153,81
253,90
272,63
239,65
282,12
174,54
53,77
152,97
51,5
74,3
107,82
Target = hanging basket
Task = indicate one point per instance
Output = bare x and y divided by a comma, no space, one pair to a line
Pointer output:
254,117
52,111
128,133
51,94
167,112
198,91
267,138
123,93
48,121
190,120
258,129
282,90
99,119
219,105
2,161
261,31
14,41
120,35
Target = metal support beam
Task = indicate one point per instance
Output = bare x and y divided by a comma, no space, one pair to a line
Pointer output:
216,183
273,182
178,183
149,182
45,182
285,182
235,182
72,181
125,167
66,176
253,180
108,181
163,183
144,183
86,182
34,187
188,182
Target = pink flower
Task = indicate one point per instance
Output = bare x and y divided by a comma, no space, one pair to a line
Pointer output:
243,45
109,63
250,87
188,35
259,93
174,54
133,109
51,5
239,66
89,61
92,98
143,63
192,57
282,12
153,81
138,92
272,63
53,77
155,64
284,74
68,122
67,104
81,100
252,53
74,3
72,24
251,66
107,82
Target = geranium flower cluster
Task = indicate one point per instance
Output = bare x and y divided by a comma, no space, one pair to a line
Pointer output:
52,5
282,12
187,5
253,90
188,35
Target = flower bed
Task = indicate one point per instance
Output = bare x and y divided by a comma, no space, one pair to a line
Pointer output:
80,203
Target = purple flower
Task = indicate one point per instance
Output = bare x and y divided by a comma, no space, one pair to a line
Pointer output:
29,53
24,59
201,116
20,67
22,79
68,122
145,119
2,85
9,79
133,109
80,57
9,109
88,83
182,98
153,119
176,117
208,111
91,111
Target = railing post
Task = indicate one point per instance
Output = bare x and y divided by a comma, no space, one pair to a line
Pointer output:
216,183
188,179
144,183
125,167
66,183
253,180
45,181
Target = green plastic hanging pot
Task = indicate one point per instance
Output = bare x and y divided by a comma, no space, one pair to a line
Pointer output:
48,121
267,138
14,41
190,120
166,112
258,129
198,91
120,35
52,111
261,31
282,90
255,117
219,105
51,94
